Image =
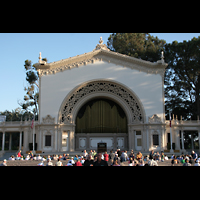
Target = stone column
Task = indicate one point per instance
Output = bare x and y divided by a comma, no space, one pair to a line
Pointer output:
177,141
129,138
55,139
26,142
162,138
10,141
69,139
182,139
199,139
39,139
147,136
3,140
20,140
72,140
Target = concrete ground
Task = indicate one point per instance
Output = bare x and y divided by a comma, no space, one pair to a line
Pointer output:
34,163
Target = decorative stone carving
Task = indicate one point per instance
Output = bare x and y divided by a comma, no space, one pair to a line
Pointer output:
155,119
101,86
101,45
48,120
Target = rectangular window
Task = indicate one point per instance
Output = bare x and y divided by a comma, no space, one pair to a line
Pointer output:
139,142
168,138
138,132
155,140
48,140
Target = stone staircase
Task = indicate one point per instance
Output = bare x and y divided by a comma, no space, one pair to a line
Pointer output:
7,154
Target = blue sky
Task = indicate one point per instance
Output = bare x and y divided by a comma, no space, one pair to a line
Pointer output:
15,48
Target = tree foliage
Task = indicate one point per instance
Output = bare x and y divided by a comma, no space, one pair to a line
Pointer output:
31,98
17,115
138,45
182,78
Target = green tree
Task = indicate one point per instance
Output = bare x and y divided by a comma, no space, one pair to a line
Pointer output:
31,98
182,78
138,45
17,115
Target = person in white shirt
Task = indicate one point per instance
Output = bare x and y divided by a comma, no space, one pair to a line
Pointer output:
27,157
40,164
166,158
124,156
4,163
152,163
39,157
85,154
197,163
72,160
49,163
59,163
34,157
82,160
17,158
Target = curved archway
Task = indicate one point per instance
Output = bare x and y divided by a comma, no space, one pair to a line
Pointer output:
101,88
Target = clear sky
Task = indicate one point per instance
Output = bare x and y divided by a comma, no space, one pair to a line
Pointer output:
15,48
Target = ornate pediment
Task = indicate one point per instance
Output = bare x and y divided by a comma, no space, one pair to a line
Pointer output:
48,120
155,119
101,53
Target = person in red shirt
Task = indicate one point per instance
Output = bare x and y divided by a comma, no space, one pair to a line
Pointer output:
106,156
19,154
78,163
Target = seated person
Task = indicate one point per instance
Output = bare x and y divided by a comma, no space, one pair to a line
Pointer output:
174,161
152,163
89,161
72,160
75,158
157,156
39,157
166,158
139,155
17,158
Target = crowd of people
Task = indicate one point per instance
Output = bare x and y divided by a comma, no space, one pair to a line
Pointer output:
116,158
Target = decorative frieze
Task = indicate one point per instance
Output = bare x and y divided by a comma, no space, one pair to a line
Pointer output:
48,120
106,87
155,119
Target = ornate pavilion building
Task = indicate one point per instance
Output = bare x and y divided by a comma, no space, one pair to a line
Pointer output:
101,96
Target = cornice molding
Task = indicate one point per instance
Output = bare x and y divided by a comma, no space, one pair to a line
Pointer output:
101,53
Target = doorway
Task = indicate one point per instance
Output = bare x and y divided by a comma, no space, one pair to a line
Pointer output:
65,141
191,140
138,140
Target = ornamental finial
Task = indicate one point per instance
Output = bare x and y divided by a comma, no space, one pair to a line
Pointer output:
162,55
101,45
100,41
40,57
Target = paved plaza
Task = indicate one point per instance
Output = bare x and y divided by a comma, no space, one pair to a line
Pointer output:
36,162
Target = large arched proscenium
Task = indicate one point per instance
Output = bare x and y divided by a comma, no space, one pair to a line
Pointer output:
101,88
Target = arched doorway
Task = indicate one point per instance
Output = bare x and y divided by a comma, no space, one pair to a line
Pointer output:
98,90
101,116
